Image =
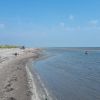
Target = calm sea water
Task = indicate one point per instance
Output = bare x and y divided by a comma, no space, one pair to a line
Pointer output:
70,74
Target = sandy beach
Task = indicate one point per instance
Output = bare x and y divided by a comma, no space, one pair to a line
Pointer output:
14,74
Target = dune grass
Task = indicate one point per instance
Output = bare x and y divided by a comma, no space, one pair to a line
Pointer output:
8,46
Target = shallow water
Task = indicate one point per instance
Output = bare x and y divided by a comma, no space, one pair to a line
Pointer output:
69,74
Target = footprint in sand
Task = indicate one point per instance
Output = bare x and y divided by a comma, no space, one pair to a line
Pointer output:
13,79
8,87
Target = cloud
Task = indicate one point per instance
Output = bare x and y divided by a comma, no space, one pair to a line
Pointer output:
96,28
69,29
71,17
2,26
93,25
78,28
62,24
93,22
84,28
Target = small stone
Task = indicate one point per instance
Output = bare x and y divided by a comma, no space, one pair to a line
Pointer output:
11,98
18,68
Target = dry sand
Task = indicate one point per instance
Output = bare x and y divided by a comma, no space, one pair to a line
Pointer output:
13,76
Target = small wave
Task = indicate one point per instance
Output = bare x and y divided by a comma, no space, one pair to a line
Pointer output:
37,87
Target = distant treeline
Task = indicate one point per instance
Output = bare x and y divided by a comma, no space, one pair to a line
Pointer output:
8,46
12,46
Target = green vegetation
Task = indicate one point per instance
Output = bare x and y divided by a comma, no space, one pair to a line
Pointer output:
8,46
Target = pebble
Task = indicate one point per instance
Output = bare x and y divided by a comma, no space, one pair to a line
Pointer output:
11,98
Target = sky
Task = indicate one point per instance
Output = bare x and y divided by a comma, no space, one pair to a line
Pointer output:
50,23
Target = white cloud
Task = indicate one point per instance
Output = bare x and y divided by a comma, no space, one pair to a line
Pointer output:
75,28
93,25
62,24
2,26
78,28
93,22
71,17
69,29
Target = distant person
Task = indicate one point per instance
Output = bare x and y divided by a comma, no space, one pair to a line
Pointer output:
23,47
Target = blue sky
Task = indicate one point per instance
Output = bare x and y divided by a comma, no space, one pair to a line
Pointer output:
50,23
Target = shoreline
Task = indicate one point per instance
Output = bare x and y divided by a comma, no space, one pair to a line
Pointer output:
32,86
36,84
14,82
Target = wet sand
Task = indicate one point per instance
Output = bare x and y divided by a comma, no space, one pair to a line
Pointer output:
14,81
